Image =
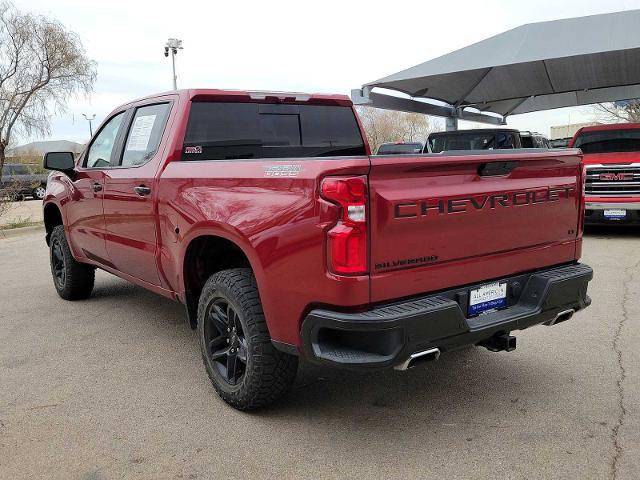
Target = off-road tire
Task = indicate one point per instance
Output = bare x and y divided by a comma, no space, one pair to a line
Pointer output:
77,279
268,373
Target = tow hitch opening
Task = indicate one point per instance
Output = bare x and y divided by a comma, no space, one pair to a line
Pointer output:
502,342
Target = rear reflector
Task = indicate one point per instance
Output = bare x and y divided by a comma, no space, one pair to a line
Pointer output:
347,239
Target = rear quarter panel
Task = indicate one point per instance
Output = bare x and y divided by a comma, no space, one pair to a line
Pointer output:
279,222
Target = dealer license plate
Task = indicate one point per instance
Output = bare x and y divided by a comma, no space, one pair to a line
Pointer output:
615,214
487,298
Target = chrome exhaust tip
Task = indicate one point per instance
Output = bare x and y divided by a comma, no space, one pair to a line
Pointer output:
430,355
562,317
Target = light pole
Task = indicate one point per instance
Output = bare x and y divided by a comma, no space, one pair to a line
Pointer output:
89,119
173,45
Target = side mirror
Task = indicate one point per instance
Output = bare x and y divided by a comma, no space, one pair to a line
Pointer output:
60,161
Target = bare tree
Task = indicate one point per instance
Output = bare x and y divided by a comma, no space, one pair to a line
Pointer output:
42,65
384,126
618,112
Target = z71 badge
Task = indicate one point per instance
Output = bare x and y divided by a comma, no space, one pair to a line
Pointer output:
196,149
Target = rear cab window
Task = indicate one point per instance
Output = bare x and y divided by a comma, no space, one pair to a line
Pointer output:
15,170
21,170
236,130
440,142
609,141
400,148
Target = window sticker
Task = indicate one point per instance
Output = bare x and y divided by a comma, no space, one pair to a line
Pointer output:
140,133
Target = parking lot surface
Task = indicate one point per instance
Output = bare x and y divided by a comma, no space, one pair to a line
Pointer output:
114,387
25,211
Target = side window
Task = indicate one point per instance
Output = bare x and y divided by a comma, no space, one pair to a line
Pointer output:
99,154
145,134
20,170
505,140
8,170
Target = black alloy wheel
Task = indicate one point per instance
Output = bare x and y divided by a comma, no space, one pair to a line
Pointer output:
225,340
73,280
245,368
57,264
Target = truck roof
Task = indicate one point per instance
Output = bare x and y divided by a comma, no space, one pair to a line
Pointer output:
203,94
603,128
478,130
611,126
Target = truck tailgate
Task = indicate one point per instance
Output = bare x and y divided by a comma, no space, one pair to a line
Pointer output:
439,221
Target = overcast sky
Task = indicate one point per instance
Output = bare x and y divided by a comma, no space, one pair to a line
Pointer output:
325,46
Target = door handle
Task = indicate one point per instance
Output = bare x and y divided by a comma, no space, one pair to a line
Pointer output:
142,190
96,187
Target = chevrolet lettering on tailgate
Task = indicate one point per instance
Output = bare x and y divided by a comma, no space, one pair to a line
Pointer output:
422,208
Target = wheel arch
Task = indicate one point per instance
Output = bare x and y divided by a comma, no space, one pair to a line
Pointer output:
52,218
207,251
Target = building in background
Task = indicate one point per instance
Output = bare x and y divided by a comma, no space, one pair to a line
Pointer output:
569,130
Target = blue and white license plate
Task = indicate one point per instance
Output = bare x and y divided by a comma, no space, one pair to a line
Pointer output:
615,214
487,298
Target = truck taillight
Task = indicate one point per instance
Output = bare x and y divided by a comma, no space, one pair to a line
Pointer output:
347,239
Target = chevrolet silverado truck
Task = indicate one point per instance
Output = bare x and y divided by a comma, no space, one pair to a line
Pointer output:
266,216
611,155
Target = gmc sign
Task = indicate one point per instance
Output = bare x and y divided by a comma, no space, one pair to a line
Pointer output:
612,177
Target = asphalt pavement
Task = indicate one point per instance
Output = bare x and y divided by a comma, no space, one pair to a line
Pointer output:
27,210
114,387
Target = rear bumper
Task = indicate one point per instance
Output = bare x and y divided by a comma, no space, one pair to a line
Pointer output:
389,334
594,213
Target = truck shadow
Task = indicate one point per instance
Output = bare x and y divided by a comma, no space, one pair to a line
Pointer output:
466,395
613,231
466,387
458,380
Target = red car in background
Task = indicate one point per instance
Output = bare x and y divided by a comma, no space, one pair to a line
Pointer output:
612,160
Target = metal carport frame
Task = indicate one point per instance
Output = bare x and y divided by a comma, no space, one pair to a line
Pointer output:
539,66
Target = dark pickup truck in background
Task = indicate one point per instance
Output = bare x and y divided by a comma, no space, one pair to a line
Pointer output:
533,140
19,179
266,215
484,139
473,139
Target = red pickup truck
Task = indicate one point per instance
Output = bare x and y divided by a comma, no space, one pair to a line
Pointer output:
267,217
611,154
